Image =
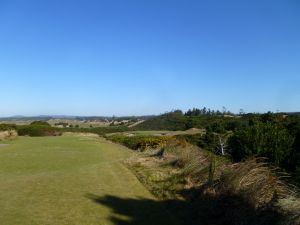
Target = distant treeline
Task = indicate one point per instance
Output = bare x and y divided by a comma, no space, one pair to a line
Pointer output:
79,118
113,118
193,118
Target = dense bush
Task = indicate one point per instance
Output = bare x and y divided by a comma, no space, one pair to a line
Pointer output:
177,120
140,142
266,139
273,136
41,123
38,130
208,141
5,127
205,189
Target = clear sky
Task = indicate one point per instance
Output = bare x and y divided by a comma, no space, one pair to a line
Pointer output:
126,57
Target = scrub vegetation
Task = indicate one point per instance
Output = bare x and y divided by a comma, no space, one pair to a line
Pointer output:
201,166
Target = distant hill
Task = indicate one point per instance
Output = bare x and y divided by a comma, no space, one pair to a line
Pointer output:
177,120
77,121
25,118
174,120
168,121
48,117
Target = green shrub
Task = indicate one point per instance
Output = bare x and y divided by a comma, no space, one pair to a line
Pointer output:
38,130
5,127
208,141
264,139
140,142
40,123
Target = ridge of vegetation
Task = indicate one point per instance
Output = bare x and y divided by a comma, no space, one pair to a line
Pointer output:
215,190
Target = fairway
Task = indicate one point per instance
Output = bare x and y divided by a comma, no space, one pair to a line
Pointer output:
72,180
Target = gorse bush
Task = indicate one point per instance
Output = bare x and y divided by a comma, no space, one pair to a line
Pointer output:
41,123
140,142
38,130
5,127
263,139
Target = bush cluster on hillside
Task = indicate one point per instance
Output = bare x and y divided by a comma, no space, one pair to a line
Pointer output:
40,123
275,136
205,118
8,132
268,139
141,142
5,127
272,136
214,191
38,130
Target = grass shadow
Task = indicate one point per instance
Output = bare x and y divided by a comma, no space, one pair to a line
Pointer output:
199,210
140,211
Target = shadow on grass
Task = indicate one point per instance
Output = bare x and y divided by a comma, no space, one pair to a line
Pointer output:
223,210
226,209
140,211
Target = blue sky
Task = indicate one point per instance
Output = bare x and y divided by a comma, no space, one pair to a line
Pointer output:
125,57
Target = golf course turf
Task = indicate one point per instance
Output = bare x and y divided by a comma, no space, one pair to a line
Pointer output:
74,180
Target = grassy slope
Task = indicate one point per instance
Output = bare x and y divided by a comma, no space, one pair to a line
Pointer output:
72,180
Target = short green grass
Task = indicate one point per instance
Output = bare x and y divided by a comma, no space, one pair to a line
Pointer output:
61,180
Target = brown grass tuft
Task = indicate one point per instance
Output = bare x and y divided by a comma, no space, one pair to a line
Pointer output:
255,181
